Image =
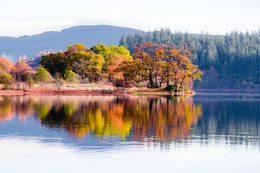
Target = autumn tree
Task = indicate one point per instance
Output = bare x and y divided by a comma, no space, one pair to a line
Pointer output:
111,69
161,63
113,57
5,79
21,71
80,47
132,71
150,55
88,65
178,68
235,56
6,65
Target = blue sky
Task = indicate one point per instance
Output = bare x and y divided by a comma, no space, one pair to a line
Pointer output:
27,17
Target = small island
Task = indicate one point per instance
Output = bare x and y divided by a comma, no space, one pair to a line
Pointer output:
155,69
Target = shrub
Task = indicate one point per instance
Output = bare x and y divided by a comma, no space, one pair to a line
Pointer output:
6,80
70,77
30,81
58,81
42,75
171,87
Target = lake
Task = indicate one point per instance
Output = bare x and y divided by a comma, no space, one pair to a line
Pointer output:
209,132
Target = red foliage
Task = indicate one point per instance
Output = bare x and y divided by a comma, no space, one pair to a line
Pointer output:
6,65
21,71
111,68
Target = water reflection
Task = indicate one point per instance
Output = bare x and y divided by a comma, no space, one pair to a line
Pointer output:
145,119
230,119
104,133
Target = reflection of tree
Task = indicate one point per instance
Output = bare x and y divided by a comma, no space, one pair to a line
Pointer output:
141,118
22,106
164,119
6,111
89,115
159,119
155,119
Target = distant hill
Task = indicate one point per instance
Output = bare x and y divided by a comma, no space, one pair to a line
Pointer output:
11,47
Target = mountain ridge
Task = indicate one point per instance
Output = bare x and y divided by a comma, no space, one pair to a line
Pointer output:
89,35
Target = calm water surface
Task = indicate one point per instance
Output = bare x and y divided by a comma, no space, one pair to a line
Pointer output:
209,132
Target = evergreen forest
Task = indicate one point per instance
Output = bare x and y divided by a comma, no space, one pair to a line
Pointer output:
227,61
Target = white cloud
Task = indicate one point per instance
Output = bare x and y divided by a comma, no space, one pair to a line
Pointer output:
31,17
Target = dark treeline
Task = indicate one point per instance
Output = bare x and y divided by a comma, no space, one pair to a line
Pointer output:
229,61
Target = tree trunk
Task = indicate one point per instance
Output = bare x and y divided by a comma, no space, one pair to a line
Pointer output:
151,80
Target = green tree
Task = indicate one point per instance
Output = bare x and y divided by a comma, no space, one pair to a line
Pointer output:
88,65
110,54
30,81
78,47
70,77
56,63
6,80
42,75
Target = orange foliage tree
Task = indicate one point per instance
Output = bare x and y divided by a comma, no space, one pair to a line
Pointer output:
6,65
150,55
161,63
179,68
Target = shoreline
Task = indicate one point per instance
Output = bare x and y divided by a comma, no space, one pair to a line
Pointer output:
227,90
77,92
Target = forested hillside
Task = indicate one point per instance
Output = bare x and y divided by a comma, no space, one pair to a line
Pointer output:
229,61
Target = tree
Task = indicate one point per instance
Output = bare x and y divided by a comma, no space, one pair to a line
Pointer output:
111,69
6,65
70,77
56,63
58,81
101,49
179,67
88,64
30,81
111,54
150,55
5,79
132,71
161,63
78,47
80,67
42,75
21,71
235,56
